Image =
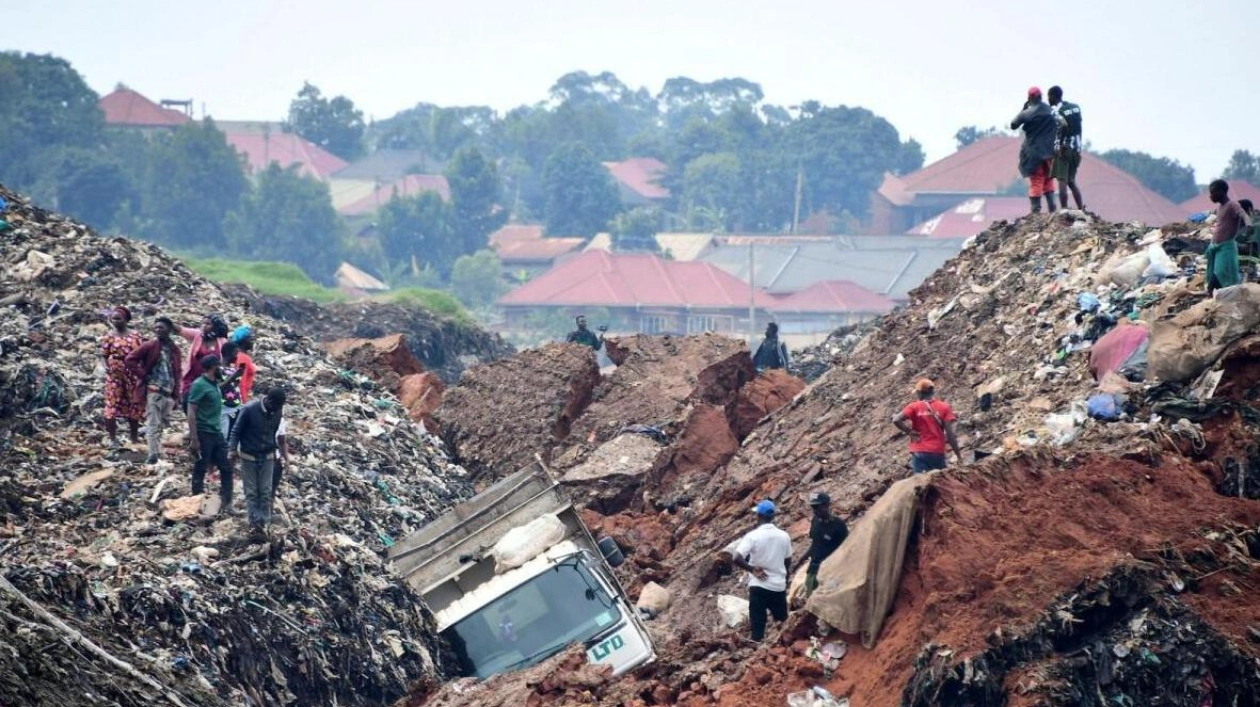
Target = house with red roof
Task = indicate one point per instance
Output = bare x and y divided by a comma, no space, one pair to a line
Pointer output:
638,181
526,252
642,293
990,168
262,147
826,306
1237,190
972,217
366,204
128,108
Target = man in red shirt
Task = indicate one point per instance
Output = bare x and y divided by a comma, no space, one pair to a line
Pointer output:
930,423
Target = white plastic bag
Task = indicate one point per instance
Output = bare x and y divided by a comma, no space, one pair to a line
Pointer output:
1127,272
523,543
734,610
654,598
1160,264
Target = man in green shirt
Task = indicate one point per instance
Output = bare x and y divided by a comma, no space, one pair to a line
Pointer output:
205,430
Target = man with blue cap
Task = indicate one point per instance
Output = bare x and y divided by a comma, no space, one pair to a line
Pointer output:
765,553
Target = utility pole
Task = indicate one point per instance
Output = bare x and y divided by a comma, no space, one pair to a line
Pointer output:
752,295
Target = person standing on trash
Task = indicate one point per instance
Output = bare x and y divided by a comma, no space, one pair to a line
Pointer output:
582,335
205,431
206,341
1067,146
253,439
1036,156
156,367
772,353
1222,253
243,337
826,533
765,553
230,372
930,424
121,382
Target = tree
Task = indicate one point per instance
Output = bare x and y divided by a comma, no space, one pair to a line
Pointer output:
44,104
333,124
971,133
580,195
712,183
1243,167
477,279
193,179
1166,177
475,189
843,154
290,218
911,157
635,230
419,228
88,184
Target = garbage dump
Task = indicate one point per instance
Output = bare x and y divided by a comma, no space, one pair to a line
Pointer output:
443,345
1067,559
114,588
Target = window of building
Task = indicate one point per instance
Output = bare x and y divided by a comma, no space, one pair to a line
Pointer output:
649,324
701,323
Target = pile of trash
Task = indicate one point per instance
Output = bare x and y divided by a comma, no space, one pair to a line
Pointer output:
443,345
811,362
115,589
1106,407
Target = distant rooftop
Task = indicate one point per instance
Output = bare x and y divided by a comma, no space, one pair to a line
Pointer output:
128,107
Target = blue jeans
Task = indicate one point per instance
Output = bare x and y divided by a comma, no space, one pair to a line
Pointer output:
926,461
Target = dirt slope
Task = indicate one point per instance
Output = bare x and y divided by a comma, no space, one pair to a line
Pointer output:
1031,563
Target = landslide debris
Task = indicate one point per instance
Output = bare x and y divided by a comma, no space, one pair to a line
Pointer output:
443,345
312,617
1074,539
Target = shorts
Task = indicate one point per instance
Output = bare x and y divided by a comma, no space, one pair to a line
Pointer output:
1041,182
921,462
1066,162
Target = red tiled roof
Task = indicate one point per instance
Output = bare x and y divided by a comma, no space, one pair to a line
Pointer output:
523,242
409,185
640,175
127,107
834,296
1237,190
972,216
597,278
285,149
990,165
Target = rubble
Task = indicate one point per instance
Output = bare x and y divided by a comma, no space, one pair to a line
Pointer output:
314,616
443,345
1067,532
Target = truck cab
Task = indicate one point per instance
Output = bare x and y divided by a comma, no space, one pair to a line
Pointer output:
497,622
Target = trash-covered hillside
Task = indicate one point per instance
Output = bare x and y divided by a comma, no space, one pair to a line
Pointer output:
114,591
1098,546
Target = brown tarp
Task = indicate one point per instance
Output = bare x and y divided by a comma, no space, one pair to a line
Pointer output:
858,583
1186,343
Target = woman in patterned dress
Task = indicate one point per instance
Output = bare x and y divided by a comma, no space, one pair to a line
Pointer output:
120,384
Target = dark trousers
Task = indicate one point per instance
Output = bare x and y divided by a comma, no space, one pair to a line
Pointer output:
926,461
214,451
759,602
277,470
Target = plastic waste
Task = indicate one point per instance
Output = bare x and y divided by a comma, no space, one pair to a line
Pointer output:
1104,406
1160,264
734,610
1087,302
1064,428
816,696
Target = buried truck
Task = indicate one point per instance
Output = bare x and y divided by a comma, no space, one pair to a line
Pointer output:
513,577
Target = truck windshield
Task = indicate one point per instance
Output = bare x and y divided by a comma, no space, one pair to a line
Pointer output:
562,605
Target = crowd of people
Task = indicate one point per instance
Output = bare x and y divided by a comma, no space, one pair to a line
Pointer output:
229,425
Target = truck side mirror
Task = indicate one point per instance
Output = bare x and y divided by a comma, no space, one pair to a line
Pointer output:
611,552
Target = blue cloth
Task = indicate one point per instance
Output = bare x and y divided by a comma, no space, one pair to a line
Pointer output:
241,333
1087,302
1103,406
765,508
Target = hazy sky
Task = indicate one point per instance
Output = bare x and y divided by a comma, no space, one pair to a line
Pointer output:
1173,78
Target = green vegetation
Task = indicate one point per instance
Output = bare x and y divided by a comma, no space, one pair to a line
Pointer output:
267,277
436,301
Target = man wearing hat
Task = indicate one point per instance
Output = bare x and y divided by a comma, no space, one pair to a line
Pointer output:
826,532
765,553
930,424
1036,156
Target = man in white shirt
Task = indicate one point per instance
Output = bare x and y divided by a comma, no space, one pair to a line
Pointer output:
765,553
